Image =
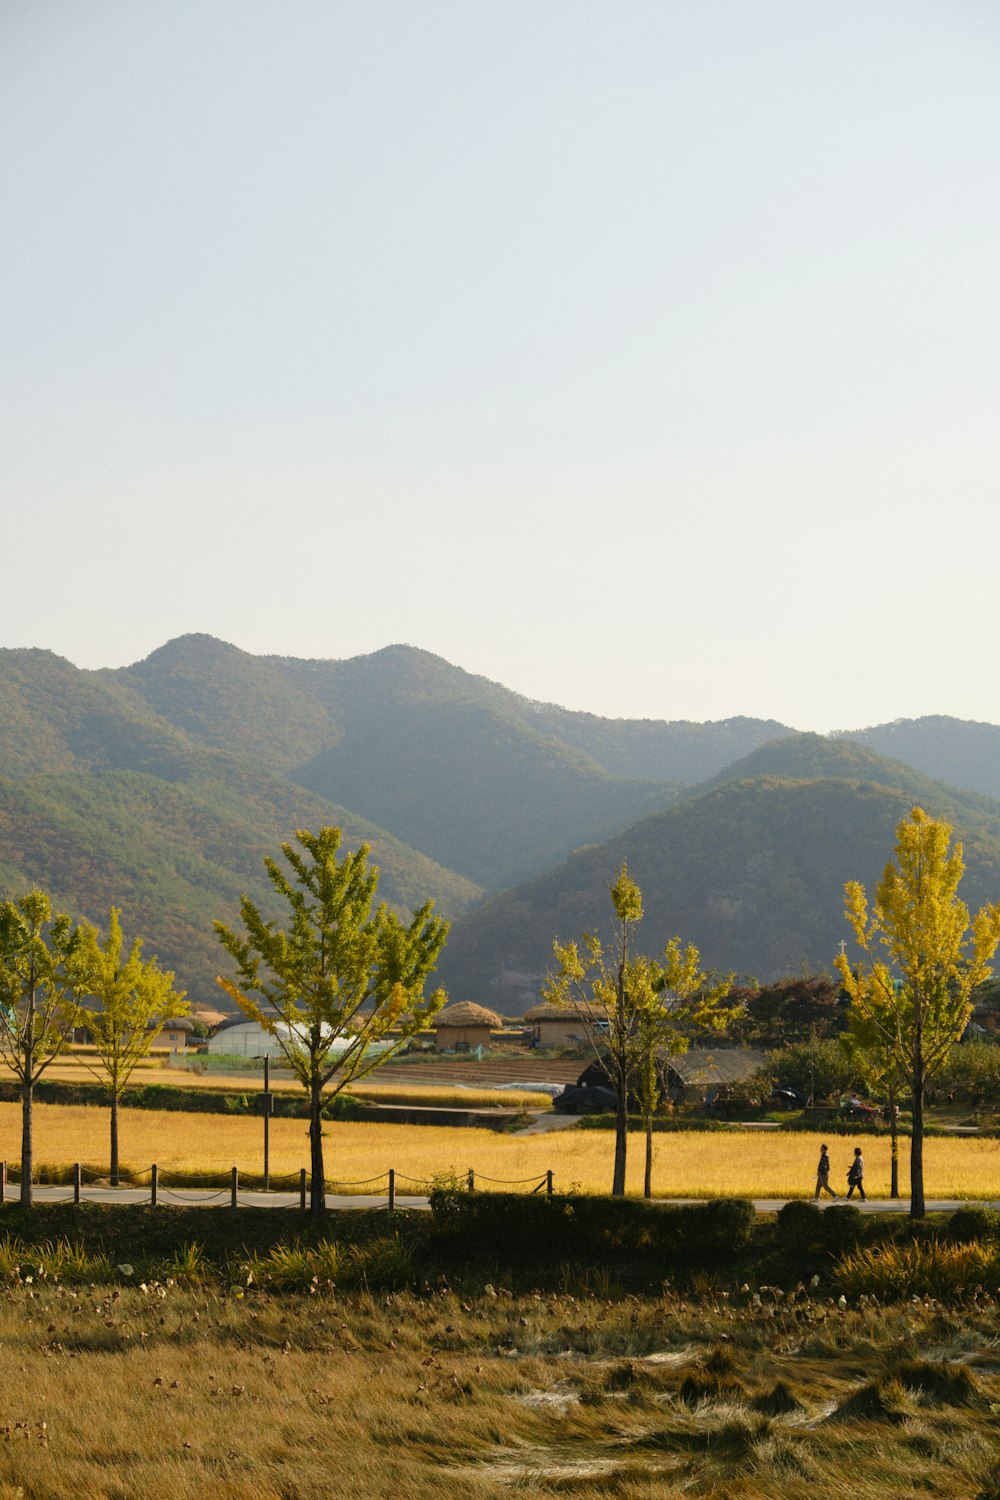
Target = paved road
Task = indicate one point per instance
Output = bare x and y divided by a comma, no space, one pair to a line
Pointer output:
207,1197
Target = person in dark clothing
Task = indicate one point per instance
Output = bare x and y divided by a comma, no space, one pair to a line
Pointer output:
856,1175
823,1174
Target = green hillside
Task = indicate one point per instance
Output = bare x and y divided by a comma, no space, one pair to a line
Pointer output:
103,800
450,763
813,756
161,785
671,750
177,855
751,870
957,750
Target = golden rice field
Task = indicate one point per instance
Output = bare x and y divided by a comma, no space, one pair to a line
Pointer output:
754,1164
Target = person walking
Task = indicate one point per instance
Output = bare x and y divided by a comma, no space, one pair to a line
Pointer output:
823,1174
856,1175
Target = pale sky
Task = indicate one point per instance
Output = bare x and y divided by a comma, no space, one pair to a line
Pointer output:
641,355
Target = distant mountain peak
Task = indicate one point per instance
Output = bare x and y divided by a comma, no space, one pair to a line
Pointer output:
195,646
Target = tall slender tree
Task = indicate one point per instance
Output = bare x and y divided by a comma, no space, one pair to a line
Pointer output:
131,998
337,985
632,1007
683,999
38,1004
920,960
873,1047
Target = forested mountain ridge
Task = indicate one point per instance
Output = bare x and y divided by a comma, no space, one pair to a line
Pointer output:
962,751
160,786
451,763
750,868
103,801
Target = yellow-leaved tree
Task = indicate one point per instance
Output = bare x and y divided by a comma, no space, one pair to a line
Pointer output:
920,959
127,1001
634,1008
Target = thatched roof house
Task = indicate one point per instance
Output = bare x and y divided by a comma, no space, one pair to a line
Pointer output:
464,1026
561,1025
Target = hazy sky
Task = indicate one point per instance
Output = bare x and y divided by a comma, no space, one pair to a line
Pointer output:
642,355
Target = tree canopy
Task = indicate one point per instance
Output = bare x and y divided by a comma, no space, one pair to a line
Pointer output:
338,985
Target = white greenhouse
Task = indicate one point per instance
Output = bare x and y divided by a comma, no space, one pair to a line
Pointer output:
241,1038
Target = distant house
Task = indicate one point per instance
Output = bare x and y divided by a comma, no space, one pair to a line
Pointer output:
463,1027
701,1071
562,1025
176,1034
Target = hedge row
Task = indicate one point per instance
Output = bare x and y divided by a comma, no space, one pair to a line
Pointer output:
174,1097
522,1227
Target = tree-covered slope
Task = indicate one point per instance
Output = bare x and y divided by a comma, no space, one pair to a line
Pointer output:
813,756
449,762
223,697
177,855
961,751
672,750
751,870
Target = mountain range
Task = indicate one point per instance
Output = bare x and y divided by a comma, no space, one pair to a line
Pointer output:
160,786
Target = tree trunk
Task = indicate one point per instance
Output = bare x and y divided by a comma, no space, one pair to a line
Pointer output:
621,1142
649,1089
894,1146
317,1179
647,1183
917,1207
115,1179
27,1143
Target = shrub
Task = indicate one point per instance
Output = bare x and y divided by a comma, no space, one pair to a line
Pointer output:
800,1225
973,1223
383,1264
592,1228
930,1269
188,1264
843,1226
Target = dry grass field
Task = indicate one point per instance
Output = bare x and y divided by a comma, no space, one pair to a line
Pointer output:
689,1164
195,1395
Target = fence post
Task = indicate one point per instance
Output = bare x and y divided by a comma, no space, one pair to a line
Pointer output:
153,1176
76,1182
234,1188
548,1183
302,1189
3,1182
472,1181
392,1189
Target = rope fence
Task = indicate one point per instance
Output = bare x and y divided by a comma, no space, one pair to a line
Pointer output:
89,1183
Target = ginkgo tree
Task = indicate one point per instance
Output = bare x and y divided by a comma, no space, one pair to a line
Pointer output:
872,1043
127,1000
338,985
634,1008
38,1004
920,959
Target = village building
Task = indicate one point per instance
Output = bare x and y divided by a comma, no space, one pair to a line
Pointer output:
464,1027
174,1037
699,1073
563,1025
176,1034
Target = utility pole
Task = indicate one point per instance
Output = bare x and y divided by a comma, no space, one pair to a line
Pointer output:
267,1105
